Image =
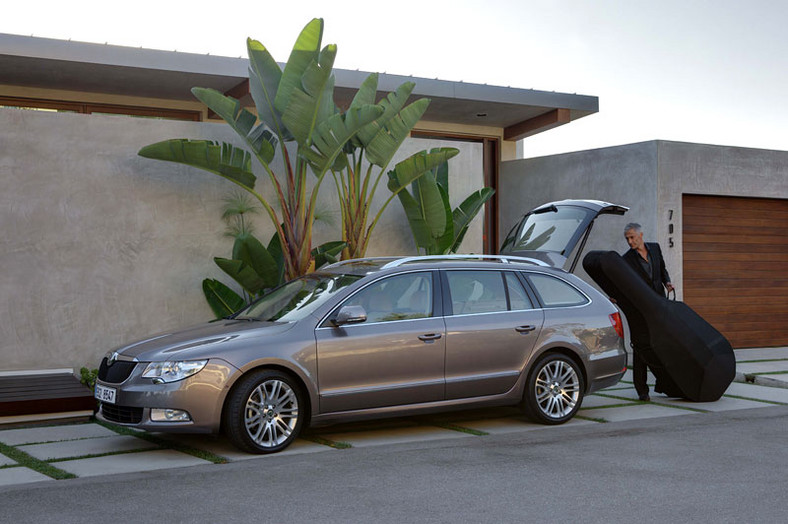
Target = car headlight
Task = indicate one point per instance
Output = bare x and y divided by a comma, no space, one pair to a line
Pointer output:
172,371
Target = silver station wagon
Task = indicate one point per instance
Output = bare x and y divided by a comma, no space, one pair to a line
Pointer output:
373,338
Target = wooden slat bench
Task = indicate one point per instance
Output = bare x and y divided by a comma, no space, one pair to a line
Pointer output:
29,393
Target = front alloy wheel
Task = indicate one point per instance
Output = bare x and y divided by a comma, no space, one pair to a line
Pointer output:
263,414
554,390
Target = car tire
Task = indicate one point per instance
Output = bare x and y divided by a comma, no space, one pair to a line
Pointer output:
265,412
554,389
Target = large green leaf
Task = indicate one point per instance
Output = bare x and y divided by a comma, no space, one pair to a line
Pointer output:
331,135
264,77
275,250
328,253
250,251
305,51
408,170
222,300
430,200
384,145
443,242
418,226
365,95
466,212
242,273
260,139
222,159
305,107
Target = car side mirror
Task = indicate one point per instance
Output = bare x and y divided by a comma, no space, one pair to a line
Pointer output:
350,315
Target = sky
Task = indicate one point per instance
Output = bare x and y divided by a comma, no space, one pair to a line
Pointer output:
705,71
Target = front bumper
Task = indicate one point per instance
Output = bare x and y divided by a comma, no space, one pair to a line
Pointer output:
201,396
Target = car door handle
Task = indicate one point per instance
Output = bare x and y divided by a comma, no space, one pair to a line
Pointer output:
429,337
525,329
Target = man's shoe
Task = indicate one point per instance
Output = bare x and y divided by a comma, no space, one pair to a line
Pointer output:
644,398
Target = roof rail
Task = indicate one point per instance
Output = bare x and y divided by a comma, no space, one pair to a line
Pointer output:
506,259
358,260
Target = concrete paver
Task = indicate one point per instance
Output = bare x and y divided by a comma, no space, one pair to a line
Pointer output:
745,355
222,447
20,475
500,426
763,366
5,461
84,447
781,377
394,436
635,412
16,437
723,404
130,463
598,401
758,392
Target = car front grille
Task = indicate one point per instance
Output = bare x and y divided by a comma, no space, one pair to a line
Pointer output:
117,372
121,414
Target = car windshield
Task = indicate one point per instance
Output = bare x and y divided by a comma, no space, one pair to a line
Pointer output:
296,299
547,231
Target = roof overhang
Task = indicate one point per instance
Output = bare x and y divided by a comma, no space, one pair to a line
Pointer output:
100,68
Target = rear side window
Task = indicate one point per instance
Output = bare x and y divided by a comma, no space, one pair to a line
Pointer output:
554,292
486,292
476,292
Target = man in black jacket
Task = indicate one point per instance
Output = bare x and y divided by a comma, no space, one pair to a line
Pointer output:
646,259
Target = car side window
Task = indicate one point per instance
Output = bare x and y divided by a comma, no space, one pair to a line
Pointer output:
476,292
518,298
400,297
555,292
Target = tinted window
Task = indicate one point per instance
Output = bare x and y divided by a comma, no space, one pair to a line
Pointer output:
555,292
548,231
518,298
476,292
399,297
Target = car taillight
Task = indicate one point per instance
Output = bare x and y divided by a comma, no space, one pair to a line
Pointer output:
615,319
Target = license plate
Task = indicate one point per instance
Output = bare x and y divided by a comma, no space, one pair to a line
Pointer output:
105,394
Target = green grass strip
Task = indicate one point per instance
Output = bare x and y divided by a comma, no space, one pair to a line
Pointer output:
769,373
757,400
461,429
592,419
759,361
99,455
163,443
653,402
30,462
325,442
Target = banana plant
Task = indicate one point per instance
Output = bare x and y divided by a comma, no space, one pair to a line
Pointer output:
256,269
437,230
366,157
294,105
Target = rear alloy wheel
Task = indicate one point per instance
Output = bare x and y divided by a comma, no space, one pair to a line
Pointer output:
263,414
554,390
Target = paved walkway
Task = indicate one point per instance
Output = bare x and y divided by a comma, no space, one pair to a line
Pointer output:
51,453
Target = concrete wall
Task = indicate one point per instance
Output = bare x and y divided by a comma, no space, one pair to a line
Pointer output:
99,247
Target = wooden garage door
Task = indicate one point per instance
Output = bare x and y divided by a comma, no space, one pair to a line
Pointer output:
736,266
